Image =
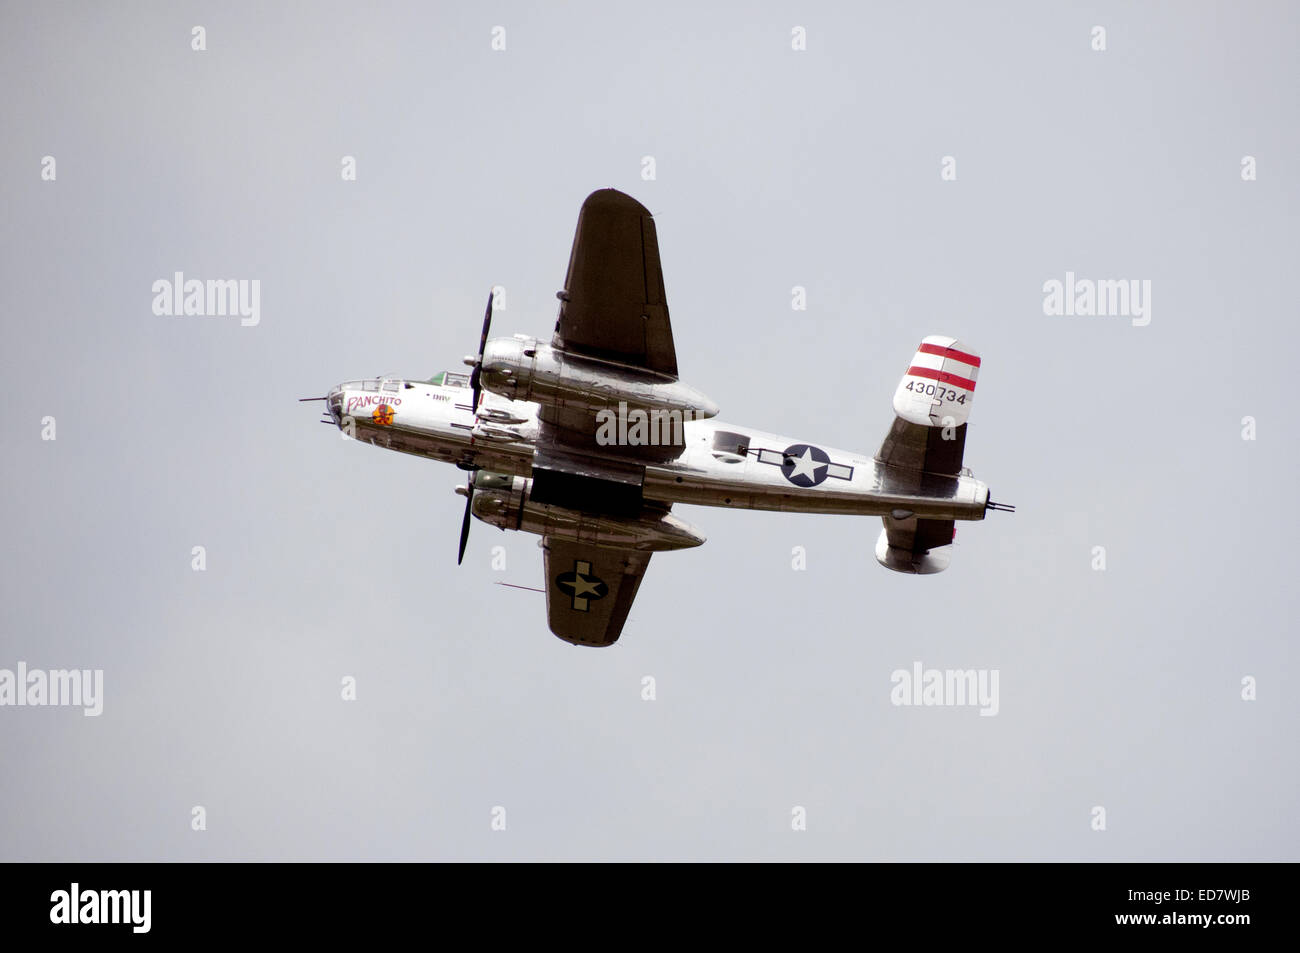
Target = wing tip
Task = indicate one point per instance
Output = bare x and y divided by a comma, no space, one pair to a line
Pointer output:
613,200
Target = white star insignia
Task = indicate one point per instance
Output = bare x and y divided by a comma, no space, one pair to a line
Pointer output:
806,466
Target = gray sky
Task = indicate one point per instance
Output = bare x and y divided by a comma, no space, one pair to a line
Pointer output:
774,168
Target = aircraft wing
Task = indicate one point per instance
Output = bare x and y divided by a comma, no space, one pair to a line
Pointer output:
589,589
613,306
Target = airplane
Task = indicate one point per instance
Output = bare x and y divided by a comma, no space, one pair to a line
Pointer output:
589,440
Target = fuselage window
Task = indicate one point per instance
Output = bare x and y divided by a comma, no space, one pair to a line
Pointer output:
730,447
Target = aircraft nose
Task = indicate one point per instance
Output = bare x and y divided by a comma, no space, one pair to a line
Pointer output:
334,403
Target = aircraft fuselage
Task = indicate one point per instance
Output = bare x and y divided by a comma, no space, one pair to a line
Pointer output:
711,463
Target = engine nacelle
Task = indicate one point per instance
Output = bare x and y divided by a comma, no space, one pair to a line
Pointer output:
522,368
503,501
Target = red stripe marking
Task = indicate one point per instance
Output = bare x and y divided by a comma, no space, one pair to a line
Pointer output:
943,377
971,359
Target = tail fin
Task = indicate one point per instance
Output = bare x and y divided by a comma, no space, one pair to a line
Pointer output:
940,382
933,402
925,447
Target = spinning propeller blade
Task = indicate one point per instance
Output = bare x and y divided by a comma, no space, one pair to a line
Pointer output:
477,373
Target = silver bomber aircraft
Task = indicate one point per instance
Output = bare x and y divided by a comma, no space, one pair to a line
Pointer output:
589,440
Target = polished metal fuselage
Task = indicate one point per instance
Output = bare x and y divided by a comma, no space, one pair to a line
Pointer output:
438,422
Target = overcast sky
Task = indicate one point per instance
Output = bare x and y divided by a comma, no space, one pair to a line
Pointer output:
1120,688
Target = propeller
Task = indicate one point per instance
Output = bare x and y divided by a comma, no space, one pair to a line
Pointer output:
475,383
476,374
464,524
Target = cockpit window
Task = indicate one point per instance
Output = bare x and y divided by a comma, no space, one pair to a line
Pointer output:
449,379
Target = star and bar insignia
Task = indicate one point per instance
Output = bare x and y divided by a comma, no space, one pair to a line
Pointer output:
582,585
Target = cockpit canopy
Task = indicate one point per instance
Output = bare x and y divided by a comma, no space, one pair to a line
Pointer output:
380,384
449,379
372,384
